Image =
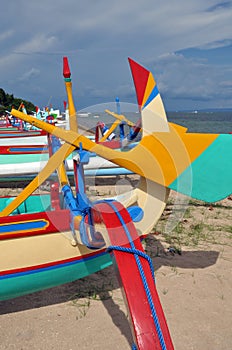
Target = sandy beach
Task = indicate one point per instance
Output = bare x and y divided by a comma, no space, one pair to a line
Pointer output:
193,265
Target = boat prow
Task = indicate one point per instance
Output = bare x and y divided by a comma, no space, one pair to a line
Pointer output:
167,157
195,164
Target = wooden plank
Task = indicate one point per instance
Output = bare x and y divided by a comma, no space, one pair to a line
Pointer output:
131,268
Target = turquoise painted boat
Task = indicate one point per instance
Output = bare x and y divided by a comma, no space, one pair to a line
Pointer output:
45,239
55,238
41,245
20,164
37,249
24,161
35,246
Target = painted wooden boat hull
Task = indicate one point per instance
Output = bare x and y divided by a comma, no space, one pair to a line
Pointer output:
23,140
27,161
33,168
48,261
35,255
37,250
89,173
18,133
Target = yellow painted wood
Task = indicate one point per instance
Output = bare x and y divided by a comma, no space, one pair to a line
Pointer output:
36,250
178,128
63,178
120,117
150,86
72,111
20,106
154,117
111,129
160,156
151,198
49,168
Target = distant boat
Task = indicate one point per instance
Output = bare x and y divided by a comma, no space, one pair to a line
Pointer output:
83,115
27,161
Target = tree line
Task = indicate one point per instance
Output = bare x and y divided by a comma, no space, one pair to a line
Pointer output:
8,101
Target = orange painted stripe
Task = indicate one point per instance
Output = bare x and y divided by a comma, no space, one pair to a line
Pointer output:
166,155
160,157
196,144
150,86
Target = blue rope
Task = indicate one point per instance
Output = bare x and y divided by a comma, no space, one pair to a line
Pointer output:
134,347
143,277
134,251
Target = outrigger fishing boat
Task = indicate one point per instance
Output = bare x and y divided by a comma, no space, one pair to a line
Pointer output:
55,238
13,131
22,136
106,135
21,162
17,134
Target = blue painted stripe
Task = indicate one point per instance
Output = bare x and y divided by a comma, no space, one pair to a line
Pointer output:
27,149
10,135
88,172
209,178
153,94
56,265
22,227
19,134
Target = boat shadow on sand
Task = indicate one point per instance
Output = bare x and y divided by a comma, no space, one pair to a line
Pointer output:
103,285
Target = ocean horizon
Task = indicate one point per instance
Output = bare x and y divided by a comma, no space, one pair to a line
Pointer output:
218,121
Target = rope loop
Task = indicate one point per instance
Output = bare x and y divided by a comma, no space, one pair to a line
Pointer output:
135,252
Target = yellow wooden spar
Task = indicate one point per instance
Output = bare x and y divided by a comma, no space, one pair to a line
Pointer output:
53,163
160,157
120,117
73,124
111,129
56,161
190,163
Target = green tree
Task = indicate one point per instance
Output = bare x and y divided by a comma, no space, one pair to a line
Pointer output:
7,101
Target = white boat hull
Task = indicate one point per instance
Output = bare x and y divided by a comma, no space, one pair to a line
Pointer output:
33,168
36,140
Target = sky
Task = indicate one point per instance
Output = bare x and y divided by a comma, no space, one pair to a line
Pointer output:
186,44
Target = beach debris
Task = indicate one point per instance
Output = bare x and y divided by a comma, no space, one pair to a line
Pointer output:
174,250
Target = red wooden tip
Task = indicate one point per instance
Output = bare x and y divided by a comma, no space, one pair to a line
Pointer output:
66,70
140,76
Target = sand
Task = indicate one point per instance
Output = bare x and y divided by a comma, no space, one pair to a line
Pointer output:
194,282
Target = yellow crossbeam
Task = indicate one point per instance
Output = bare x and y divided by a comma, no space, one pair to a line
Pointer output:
52,164
120,117
111,129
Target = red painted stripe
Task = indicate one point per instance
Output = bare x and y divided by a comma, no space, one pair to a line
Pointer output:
58,221
129,277
110,144
51,264
36,149
140,77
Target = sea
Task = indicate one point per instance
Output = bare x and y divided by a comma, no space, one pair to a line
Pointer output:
196,121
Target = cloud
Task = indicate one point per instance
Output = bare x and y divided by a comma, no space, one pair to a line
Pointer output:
194,80
5,35
98,36
32,73
216,44
220,6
